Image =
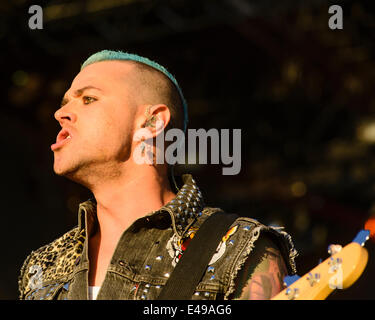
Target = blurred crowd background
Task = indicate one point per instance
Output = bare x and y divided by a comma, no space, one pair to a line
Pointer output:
302,94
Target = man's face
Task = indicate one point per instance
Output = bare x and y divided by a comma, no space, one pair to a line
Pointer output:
97,117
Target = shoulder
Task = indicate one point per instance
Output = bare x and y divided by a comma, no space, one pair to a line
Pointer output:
245,240
255,235
51,262
246,231
265,249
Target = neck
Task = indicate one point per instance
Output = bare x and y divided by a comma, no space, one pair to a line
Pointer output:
124,199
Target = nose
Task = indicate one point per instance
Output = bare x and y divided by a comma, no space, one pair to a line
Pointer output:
64,114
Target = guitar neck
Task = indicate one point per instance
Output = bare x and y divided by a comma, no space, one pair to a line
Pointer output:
339,271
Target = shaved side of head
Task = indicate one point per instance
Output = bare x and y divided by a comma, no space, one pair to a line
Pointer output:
153,87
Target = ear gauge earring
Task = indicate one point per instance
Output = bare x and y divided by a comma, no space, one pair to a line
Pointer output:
150,122
146,152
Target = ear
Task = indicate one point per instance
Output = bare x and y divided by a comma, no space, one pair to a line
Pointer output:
155,118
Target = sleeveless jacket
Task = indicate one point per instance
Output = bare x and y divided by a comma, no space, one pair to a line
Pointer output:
146,254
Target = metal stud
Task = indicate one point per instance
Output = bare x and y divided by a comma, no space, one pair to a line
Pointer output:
143,297
247,228
147,267
158,287
122,263
211,269
196,293
145,290
212,277
206,294
231,242
159,258
166,275
66,286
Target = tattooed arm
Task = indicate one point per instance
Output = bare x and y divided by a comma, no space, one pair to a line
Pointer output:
262,275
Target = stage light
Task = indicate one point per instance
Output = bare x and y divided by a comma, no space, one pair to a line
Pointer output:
20,78
298,189
366,132
370,225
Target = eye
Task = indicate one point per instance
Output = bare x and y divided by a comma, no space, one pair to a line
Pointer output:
88,100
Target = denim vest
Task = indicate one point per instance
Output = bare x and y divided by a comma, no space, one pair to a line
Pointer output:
146,254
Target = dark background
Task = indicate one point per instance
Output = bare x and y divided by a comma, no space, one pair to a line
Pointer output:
302,94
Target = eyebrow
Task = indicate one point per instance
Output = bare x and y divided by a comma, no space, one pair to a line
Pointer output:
78,93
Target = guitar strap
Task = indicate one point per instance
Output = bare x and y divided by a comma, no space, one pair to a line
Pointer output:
190,269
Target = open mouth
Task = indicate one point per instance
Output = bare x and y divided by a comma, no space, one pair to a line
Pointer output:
63,137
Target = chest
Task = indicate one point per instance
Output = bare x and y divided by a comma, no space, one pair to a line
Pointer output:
99,259
139,265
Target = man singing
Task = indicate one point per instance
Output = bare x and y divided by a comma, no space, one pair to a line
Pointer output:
131,235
